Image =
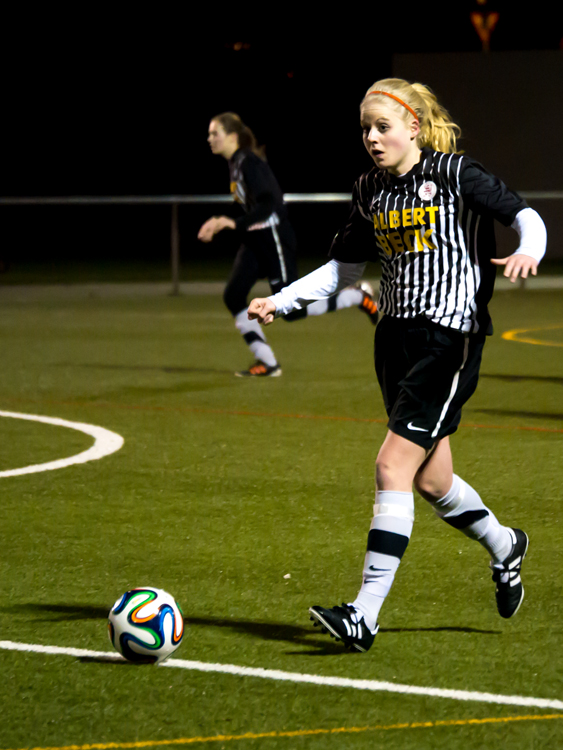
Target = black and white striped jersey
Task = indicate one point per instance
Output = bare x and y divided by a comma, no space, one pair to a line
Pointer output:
434,236
254,186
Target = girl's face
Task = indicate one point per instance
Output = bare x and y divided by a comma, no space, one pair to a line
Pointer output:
222,143
390,140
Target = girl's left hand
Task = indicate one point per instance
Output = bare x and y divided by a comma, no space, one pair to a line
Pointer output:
517,265
263,309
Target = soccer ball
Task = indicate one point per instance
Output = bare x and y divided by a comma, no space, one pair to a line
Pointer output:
146,625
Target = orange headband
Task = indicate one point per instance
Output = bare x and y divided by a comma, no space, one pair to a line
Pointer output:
396,98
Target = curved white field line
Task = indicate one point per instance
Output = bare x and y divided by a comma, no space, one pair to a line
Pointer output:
105,443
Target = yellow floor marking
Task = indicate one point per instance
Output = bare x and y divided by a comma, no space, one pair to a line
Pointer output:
302,733
515,335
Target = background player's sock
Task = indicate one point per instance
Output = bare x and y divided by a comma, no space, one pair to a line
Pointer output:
351,297
346,298
463,509
321,307
252,334
388,538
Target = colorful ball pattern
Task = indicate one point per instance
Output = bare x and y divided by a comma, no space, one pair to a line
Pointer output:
146,625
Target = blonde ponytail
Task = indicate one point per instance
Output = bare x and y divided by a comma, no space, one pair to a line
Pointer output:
437,129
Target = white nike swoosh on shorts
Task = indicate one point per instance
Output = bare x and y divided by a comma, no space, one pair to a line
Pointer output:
410,426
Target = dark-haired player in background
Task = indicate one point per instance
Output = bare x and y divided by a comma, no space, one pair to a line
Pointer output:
268,245
426,212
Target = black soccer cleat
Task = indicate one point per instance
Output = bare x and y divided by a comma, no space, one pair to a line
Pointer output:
260,370
341,624
368,304
509,591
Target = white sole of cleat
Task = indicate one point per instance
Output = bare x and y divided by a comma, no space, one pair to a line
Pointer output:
324,623
522,597
523,558
276,374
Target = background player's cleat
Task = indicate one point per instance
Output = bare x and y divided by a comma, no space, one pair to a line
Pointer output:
509,591
343,624
368,304
260,370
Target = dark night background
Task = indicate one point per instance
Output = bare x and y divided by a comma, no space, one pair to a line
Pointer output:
100,101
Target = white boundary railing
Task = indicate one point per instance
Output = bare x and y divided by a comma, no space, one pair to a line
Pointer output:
175,200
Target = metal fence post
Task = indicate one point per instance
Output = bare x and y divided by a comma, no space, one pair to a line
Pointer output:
175,250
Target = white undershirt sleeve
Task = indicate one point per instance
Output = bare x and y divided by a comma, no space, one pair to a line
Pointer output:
532,232
320,284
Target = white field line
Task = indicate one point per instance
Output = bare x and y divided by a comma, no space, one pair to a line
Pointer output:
312,679
105,443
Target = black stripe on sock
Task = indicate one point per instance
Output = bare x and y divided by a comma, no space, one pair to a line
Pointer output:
387,543
466,519
332,303
251,337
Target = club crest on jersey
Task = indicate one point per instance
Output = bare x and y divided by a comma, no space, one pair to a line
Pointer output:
427,191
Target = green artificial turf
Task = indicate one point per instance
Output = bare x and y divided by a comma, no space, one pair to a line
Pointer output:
223,488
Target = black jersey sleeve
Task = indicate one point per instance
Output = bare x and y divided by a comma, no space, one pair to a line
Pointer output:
486,194
263,192
354,243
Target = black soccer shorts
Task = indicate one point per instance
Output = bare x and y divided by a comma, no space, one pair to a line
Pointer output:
426,373
266,254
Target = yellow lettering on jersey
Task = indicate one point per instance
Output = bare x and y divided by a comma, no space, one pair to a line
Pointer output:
427,241
418,241
395,240
424,239
417,216
432,211
383,244
394,219
412,240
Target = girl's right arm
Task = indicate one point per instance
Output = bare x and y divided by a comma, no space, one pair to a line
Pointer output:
320,284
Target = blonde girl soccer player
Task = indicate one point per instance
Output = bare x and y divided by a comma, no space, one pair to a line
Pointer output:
426,212
267,242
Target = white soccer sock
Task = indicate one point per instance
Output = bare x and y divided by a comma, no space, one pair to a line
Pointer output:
349,298
346,298
463,509
388,538
252,334
318,308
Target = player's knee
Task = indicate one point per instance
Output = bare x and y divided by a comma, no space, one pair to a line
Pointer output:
432,487
387,471
428,488
233,301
